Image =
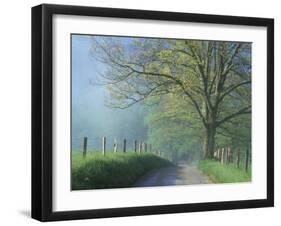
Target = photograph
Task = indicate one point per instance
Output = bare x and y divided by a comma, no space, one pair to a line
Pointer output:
141,112
157,111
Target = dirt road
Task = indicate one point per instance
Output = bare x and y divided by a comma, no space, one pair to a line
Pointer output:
179,175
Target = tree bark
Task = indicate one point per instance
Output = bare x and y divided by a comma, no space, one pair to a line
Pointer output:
209,141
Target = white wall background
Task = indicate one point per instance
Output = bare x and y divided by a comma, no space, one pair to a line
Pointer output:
15,105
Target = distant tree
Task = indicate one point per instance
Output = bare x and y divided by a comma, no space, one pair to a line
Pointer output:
213,77
173,129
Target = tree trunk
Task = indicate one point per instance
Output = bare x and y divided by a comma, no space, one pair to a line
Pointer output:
209,141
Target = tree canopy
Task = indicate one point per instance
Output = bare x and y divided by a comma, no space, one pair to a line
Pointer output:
197,90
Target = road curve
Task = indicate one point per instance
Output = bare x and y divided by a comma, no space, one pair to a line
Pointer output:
182,174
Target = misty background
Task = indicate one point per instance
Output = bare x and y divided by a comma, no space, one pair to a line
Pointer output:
90,116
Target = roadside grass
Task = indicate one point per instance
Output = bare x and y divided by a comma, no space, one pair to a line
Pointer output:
114,170
224,173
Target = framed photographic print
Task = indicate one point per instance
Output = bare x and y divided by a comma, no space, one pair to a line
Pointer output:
145,112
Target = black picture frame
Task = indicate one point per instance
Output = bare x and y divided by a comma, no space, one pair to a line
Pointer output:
42,111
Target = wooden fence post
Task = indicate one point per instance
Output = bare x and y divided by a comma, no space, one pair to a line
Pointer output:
238,158
231,155
222,156
227,155
214,155
124,146
247,160
103,145
115,145
250,157
140,146
219,154
136,144
145,147
85,146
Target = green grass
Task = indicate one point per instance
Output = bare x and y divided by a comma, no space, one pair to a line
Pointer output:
114,170
222,173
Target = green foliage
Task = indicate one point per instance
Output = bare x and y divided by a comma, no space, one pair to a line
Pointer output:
115,170
224,173
173,129
203,89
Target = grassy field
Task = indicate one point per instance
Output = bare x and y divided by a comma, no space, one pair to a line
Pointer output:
115,170
220,173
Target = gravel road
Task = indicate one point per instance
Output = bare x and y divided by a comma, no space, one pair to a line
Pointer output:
182,174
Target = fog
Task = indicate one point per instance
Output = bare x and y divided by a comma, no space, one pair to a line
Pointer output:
94,119
91,117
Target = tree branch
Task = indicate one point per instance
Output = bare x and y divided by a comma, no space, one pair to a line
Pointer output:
232,88
245,110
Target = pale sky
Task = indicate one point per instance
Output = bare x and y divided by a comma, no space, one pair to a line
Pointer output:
90,116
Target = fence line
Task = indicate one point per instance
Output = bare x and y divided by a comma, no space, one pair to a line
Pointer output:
226,156
223,155
139,146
